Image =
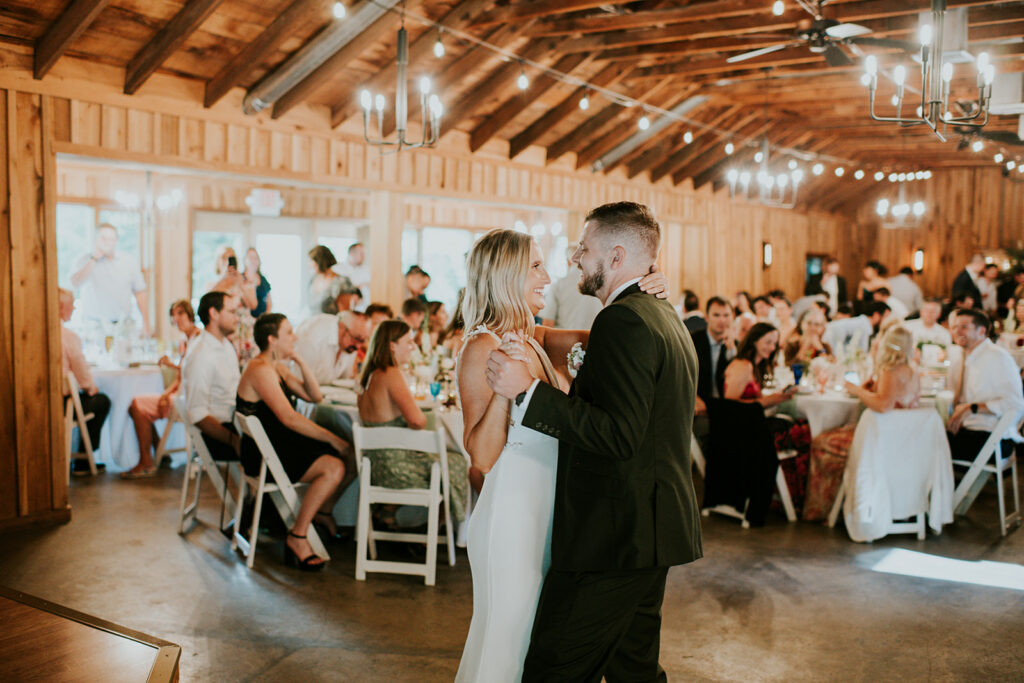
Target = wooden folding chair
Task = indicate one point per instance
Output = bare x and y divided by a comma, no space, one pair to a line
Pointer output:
200,461
437,495
74,416
990,460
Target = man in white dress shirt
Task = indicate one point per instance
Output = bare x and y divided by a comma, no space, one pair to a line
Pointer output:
904,288
564,306
209,376
991,388
927,329
108,278
356,270
897,309
329,343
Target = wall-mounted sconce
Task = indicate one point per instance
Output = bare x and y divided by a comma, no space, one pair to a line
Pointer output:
766,255
918,260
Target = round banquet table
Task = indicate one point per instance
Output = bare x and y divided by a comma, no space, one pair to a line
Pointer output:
119,447
831,409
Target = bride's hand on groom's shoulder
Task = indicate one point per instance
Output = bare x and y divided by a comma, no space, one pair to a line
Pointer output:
655,282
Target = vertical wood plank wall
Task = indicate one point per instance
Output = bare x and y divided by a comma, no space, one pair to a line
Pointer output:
33,474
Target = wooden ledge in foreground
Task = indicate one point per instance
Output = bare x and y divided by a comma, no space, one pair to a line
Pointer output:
41,641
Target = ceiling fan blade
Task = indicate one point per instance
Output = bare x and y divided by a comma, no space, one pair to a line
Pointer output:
884,42
836,57
1005,137
757,53
847,30
765,36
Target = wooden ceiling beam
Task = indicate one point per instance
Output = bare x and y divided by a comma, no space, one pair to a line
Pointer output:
58,37
298,13
607,77
512,107
684,103
530,10
653,158
583,132
755,128
421,48
166,41
727,119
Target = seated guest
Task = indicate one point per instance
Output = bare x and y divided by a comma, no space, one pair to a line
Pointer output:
784,316
857,331
209,376
146,409
330,343
73,360
805,344
741,303
385,401
693,319
991,387
346,298
744,321
309,453
437,321
378,313
763,310
896,385
897,309
926,329
715,346
1015,322
414,312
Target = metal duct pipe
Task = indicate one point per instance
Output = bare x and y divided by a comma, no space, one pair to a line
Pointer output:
637,139
336,36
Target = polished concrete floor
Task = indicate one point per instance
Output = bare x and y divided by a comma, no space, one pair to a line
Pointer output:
785,602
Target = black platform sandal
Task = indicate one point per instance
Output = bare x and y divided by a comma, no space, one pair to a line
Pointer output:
307,563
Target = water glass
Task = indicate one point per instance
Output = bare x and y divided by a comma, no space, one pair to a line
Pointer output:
435,389
798,372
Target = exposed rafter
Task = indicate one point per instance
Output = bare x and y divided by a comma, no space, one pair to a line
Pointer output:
69,25
166,41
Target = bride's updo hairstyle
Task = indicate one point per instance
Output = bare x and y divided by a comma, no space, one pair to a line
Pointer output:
896,348
495,278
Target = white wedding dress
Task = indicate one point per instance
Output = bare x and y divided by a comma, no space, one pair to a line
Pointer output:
509,548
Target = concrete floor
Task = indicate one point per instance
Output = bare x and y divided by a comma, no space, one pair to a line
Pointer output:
786,602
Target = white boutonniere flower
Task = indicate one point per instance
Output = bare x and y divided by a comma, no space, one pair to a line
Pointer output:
575,357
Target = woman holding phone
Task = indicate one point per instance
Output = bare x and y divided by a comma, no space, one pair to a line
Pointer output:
233,283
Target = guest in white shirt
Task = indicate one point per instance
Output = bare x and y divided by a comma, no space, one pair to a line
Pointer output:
991,388
356,269
988,285
73,361
904,288
927,329
897,309
329,344
843,332
565,306
108,278
209,376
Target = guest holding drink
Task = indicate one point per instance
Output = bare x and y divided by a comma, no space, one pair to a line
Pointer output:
254,276
309,453
805,344
896,385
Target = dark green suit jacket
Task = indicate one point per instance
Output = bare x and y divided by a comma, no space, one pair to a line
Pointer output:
624,497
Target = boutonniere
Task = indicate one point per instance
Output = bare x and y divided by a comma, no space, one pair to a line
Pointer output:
575,358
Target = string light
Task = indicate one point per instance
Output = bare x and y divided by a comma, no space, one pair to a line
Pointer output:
644,123
998,157
977,145
792,164
585,102
438,45
523,82
840,171
338,10
818,169
858,174
729,148
879,176
688,137
778,8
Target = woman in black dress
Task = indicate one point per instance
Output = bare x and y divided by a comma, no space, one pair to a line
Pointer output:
309,453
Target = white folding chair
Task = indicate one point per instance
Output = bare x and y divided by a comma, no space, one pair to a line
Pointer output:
198,462
283,492
373,438
173,417
74,416
979,469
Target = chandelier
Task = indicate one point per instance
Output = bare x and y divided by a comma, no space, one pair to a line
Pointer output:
936,77
430,108
900,213
761,184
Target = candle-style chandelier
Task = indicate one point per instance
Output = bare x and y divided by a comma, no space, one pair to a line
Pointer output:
936,77
761,184
431,108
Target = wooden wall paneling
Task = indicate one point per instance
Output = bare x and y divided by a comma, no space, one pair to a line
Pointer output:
8,431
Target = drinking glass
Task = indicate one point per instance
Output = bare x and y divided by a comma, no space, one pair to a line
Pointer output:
798,372
435,389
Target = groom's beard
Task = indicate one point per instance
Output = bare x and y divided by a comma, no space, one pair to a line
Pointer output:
592,284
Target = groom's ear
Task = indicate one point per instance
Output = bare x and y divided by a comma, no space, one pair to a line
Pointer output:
618,256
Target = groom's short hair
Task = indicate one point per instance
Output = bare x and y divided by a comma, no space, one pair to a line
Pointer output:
631,219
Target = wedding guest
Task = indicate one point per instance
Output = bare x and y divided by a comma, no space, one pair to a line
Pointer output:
330,344
744,321
437,321
416,282
842,332
378,313
564,305
715,346
693,318
73,360
808,302
356,270
904,288
234,284
897,309
308,453
385,401
783,316
254,276
454,335
347,298
895,385
741,303
990,388
325,283
763,310
1015,322
830,283
109,279
988,286
209,376
806,343
926,329
872,277
146,409
966,281
413,314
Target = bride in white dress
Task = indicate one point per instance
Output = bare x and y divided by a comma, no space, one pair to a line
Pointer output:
509,541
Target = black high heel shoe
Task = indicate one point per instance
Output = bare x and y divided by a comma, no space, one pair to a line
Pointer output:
307,563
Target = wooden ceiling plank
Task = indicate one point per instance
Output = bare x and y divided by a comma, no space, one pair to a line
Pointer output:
531,10
62,33
573,139
681,156
166,41
298,13
753,129
607,77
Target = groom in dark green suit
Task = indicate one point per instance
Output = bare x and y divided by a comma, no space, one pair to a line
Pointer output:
625,509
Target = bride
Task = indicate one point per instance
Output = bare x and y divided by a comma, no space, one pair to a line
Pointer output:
509,539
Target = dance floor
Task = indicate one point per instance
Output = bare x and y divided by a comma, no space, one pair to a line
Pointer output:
786,602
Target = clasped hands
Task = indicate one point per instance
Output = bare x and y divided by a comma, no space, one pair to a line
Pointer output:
508,367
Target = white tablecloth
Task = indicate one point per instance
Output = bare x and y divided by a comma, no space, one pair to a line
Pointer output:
118,446
830,410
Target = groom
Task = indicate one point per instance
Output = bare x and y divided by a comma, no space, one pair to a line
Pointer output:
625,509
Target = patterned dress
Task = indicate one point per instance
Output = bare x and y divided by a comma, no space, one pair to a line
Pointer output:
401,469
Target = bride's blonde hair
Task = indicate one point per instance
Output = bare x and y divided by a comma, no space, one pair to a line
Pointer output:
495,278
895,348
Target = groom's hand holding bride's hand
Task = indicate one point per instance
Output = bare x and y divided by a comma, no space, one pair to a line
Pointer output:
655,282
508,368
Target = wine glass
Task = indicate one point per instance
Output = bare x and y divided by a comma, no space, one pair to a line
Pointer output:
435,390
798,372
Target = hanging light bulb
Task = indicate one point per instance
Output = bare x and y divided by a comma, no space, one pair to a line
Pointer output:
879,176
840,171
927,175
982,61
379,102
871,65
858,174
732,176
902,177
424,85
644,123
977,145
778,8
882,207
585,102
865,79
893,177
797,175
688,137
895,100
745,178
338,10
438,46
523,82
818,169
792,164
758,157
899,74
1010,165
919,209
998,157
925,35
782,180
947,72
729,148
366,100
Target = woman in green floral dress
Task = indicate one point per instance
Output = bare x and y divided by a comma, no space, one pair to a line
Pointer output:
385,401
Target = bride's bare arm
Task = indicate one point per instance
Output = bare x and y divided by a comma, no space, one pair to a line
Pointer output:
485,414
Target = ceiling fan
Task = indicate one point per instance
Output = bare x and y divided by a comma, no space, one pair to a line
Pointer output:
1001,137
822,36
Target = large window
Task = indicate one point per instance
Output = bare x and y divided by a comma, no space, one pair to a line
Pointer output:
442,253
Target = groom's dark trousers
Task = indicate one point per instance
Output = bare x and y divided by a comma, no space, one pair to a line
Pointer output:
625,510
